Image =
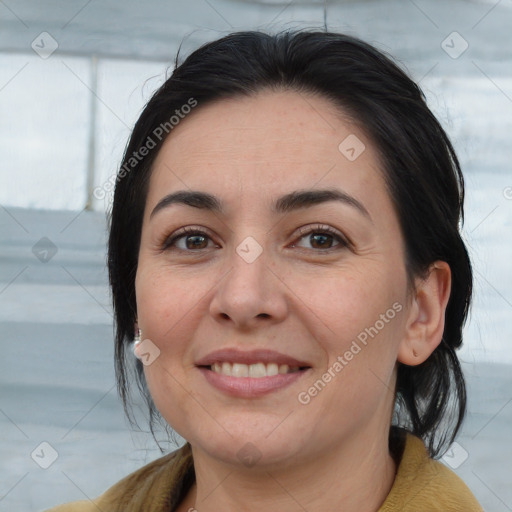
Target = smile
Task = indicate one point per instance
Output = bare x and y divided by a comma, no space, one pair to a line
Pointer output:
249,374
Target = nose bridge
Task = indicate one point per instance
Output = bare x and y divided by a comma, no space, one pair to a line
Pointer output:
247,279
249,290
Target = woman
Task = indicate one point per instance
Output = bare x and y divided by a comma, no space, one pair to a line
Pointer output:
285,246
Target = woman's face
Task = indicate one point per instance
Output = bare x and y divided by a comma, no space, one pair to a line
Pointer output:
308,298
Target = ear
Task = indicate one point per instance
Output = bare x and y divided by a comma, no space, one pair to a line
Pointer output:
425,324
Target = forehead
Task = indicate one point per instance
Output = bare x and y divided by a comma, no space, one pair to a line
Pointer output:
266,145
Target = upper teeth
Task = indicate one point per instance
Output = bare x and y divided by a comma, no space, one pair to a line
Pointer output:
252,370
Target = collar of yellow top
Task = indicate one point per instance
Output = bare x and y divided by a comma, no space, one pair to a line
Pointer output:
425,484
421,484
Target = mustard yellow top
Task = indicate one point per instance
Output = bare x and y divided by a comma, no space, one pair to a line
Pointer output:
422,484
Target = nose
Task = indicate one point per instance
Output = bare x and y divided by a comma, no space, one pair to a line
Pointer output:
251,291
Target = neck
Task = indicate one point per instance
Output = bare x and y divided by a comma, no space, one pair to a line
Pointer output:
354,477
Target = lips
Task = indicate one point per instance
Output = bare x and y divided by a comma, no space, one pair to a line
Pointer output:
249,374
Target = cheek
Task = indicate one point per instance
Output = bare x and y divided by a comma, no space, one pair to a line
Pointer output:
360,346
345,303
171,304
163,298
360,320
168,307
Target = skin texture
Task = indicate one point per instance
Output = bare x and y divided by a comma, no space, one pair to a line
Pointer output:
296,298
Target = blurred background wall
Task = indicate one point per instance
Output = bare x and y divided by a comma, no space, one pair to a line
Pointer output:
74,76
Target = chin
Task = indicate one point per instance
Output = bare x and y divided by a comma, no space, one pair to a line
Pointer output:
246,445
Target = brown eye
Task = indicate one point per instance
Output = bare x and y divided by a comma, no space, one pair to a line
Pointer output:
322,237
321,240
193,239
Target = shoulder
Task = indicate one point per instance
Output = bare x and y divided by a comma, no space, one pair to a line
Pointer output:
154,487
422,483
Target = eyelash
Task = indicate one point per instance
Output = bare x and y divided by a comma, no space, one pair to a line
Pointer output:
169,242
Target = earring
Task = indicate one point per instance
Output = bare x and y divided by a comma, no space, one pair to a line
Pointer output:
137,341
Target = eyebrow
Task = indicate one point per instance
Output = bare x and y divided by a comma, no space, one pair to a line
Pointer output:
292,201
